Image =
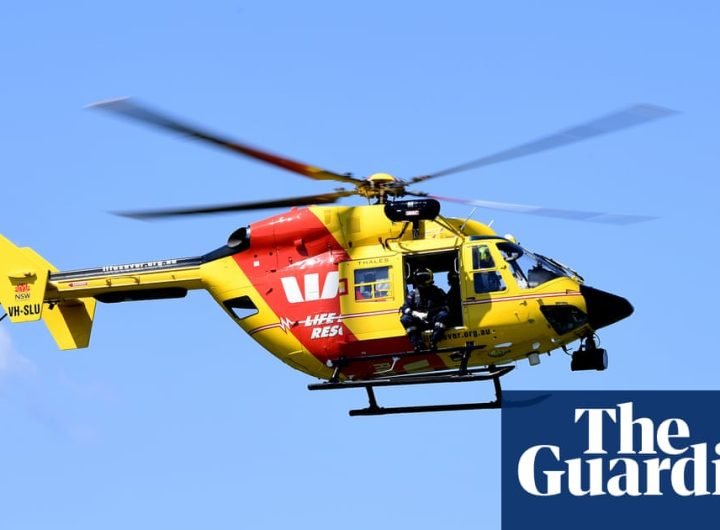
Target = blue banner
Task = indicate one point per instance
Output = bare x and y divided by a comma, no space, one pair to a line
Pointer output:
610,459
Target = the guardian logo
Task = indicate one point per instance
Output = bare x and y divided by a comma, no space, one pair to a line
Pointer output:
610,459
647,451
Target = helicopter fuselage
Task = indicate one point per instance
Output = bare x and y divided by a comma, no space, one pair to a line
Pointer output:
327,283
321,287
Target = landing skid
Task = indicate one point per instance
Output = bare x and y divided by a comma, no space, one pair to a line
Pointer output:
461,375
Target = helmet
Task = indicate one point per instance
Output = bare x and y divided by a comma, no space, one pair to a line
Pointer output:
423,277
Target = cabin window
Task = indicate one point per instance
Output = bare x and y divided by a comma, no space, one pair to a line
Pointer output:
372,283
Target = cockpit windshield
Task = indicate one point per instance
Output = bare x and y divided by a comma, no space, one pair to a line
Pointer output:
531,270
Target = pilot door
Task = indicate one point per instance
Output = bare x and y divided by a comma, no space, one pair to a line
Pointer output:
489,293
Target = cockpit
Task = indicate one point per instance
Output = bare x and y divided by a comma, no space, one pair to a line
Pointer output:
531,270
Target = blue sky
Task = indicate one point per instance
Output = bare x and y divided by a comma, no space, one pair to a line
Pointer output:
174,418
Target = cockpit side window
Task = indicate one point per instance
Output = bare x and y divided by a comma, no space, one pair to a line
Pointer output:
481,258
488,282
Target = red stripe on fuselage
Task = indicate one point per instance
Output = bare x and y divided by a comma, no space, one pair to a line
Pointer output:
499,299
293,263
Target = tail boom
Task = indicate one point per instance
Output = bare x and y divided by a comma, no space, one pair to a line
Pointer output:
32,289
170,278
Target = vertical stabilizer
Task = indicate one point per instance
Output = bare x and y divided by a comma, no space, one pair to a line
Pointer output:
23,284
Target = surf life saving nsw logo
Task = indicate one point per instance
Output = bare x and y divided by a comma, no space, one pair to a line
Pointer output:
610,459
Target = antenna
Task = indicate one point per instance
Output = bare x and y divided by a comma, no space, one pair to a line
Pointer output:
462,226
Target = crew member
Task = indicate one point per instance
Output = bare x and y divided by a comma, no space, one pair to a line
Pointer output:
424,308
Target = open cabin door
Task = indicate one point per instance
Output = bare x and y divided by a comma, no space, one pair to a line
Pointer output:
445,266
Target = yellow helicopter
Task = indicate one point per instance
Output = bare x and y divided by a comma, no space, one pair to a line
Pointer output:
322,287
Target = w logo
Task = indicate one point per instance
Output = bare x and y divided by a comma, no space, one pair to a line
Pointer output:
311,288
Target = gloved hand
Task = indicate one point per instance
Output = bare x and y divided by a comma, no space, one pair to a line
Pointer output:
419,315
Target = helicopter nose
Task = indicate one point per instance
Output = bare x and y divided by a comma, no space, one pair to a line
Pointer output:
604,308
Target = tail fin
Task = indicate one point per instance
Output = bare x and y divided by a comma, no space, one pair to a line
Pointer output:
24,278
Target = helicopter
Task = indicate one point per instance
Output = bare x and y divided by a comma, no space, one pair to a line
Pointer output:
320,285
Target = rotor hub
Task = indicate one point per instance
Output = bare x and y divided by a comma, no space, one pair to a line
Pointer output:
380,186
379,179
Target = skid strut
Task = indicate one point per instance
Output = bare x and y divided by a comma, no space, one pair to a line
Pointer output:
463,375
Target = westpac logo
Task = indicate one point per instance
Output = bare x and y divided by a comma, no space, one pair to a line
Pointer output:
600,459
311,288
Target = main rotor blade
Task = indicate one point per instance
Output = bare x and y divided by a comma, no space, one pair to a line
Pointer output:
622,119
325,198
129,109
575,215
